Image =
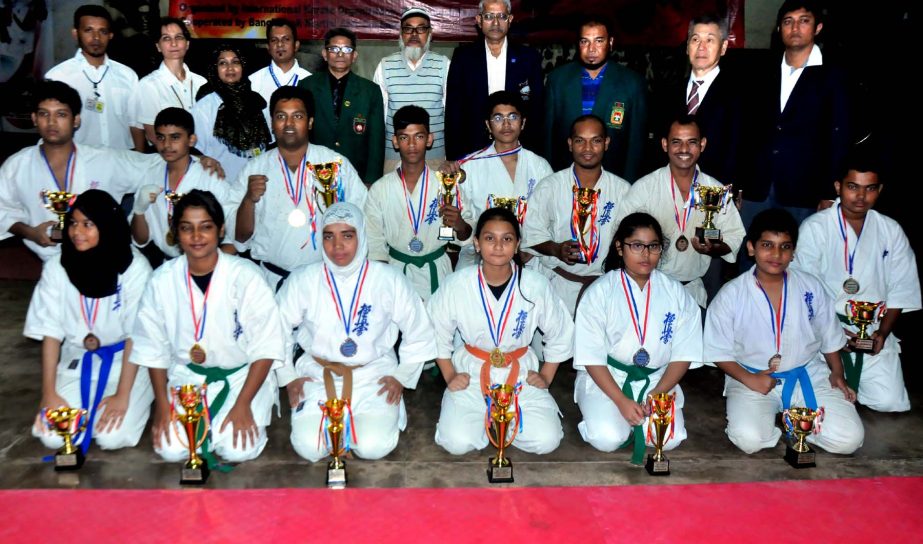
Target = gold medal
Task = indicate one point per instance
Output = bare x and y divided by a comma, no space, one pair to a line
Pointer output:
496,358
197,354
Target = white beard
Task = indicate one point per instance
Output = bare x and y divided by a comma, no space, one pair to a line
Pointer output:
412,53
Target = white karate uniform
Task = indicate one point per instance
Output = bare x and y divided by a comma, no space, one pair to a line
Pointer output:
457,306
605,329
388,225
550,218
156,215
652,194
886,270
274,239
386,306
204,113
263,83
25,175
161,89
739,328
108,111
486,177
55,312
242,326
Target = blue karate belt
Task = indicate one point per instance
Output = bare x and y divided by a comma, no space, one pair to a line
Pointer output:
789,379
107,356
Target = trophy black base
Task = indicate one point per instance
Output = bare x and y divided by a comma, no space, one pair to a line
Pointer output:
800,459
657,468
707,234
499,475
446,234
194,476
863,345
69,461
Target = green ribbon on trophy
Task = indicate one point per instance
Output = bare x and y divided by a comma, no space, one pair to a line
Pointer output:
635,374
213,375
852,367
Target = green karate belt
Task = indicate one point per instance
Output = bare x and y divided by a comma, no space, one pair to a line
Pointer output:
213,375
420,261
635,374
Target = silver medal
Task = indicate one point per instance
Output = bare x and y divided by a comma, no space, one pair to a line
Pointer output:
415,245
297,218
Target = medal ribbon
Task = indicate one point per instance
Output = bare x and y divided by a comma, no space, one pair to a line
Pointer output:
777,320
416,216
292,81
633,306
68,170
690,202
295,189
497,327
346,318
847,256
198,323
591,251
89,309
476,156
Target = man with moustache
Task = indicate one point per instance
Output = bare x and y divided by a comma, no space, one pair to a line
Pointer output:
106,87
282,44
414,75
594,85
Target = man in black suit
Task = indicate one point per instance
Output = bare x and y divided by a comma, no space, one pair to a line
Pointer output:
486,66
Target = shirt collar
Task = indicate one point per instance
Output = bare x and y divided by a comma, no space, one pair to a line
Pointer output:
708,78
502,48
816,58
278,70
80,56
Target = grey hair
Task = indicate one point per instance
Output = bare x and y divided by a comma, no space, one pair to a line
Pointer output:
506,3
709,19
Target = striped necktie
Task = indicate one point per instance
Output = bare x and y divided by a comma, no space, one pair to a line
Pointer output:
692,103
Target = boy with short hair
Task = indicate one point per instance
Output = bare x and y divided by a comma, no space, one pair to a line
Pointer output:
862,255
771,331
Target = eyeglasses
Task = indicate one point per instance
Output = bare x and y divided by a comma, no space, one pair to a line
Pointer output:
489,17
655,248
337,49
416,29
498,119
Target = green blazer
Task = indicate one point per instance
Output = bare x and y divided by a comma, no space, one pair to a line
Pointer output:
621,104
359,132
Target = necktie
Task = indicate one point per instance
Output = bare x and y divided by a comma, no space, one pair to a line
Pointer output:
692,103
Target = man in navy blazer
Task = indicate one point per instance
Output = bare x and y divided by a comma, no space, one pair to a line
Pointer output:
484,67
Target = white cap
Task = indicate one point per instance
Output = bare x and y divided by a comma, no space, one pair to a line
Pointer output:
414,12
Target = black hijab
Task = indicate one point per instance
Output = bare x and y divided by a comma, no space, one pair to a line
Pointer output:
95,272
239,124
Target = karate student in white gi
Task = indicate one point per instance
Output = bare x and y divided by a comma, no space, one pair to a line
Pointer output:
173,83
774,332
669,195
496,308
277,204
503,169
638,331
283,70
83,311
402,210
208,317
177,174
348,311
862,255
552,229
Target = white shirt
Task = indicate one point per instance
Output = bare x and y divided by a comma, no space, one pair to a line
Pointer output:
108,111
263,82
496,68
161,89
204,113
790,75
706,80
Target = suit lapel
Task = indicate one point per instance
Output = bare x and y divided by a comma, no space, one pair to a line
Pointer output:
606,96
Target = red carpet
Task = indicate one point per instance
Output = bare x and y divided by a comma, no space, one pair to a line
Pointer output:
860,510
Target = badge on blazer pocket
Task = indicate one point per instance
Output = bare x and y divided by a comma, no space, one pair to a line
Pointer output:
359,124
617,115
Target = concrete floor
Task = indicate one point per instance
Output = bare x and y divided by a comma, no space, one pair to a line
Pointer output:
892,444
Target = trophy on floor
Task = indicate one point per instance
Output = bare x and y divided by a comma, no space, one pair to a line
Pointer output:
448,182
711,199
67,422
172,198
864,314
801,422
334,411
195,422
60,203
502,416
328,175
662,415
585,212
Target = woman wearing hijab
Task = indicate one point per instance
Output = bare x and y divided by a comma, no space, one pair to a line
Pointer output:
230,122
209,317
348,312
83,310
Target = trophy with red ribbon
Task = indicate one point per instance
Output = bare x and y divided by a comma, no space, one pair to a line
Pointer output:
196,422
864,314
67,422
503,412
328,175
60,203
584,212
801,422
340,429
662,415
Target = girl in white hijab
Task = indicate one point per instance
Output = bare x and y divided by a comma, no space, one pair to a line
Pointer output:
348,312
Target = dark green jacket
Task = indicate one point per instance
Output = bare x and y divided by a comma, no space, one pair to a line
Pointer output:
359,132
621,104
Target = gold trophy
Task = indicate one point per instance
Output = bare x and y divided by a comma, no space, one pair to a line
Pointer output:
60,203
67,422
334,410
172,198
192,399
711,200
801,422
505,202
864,314
584,208
448,183
502,397
662,412
327,175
